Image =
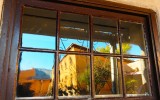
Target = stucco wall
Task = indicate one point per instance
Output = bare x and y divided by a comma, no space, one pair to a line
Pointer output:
150,4
1,3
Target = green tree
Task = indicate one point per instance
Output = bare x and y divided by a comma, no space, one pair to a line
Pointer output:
125,48
102,72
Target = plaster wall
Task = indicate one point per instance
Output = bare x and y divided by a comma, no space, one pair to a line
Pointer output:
149,4
1,3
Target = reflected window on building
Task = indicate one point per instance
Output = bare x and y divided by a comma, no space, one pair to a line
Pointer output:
76,78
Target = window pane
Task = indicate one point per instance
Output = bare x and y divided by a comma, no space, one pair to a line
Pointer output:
35,74
105,37
74,75
136,76
38,28
132,38
107,75
74,30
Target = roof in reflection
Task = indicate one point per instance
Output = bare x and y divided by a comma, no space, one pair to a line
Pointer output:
35,73
81,48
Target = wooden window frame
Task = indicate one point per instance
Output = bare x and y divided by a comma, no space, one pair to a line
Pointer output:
10,35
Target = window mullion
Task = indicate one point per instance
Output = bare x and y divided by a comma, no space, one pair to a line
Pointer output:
121,58
57,56
91,59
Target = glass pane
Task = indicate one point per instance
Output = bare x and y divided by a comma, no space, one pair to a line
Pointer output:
35,74
136,76
38,28
132,38
107,75
74,31
105,37
74,75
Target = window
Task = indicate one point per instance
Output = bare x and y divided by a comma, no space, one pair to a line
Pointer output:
80,54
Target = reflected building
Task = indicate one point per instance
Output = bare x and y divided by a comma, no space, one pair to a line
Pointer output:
72,69
136,79
33,82
74,74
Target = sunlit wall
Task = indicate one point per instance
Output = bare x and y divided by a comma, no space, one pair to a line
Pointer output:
1,3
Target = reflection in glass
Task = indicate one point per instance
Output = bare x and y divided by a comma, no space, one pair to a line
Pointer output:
136,76
105,37
132,38
74,75
74,29
107,75
38,28
35,76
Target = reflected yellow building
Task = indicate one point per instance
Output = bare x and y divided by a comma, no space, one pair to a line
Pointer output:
74,74
33,82
71,68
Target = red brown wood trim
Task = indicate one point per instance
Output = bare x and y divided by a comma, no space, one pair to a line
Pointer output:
112,5
82,10
14,37
10,36
5,44
56,68
92,87
157,46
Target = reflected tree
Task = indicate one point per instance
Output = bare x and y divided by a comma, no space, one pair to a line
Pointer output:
102,68
102,73
125,48
23,90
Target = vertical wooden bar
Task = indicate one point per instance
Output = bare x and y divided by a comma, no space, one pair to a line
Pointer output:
56,72
121,59
91,57
14,38
156,54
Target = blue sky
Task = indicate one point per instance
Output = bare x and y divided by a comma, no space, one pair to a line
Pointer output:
46,60
36,60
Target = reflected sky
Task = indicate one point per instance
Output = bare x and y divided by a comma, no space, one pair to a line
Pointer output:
40,61
31,60
29,40
38,41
